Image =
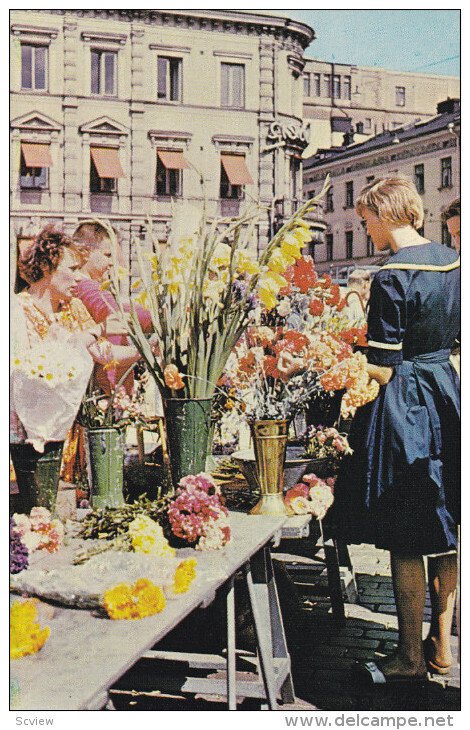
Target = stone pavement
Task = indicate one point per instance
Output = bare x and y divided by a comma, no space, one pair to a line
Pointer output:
323,664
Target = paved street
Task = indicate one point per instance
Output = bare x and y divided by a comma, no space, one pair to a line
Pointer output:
322,674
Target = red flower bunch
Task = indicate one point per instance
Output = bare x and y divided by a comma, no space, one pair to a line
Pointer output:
355,336
302,274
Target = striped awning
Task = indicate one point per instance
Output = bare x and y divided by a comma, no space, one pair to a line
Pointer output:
173,160
36,155
107,162
236,169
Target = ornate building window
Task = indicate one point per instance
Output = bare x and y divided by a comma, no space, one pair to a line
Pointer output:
104,73
349,194
316,84
35,163
232,79
327,86
33,67
306,78
329,246
347,88
105,169
170,166
419,178
329,207
349,244
400,96
169,78
336,86
446,172
234,175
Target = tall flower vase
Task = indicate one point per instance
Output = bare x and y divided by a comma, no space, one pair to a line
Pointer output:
270,444
37,475
106,466
188,428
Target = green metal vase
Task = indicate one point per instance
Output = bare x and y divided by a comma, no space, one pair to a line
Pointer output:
106,466
188,427
47,475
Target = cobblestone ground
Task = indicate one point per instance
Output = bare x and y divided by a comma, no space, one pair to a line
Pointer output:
323,672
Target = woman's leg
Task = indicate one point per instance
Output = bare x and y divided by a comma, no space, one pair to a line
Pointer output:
442,578
409,585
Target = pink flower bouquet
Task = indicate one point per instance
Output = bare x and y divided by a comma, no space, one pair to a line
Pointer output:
197,515
311,496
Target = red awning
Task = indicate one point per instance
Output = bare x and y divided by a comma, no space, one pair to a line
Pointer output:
36,155
236,169
107,162
173,160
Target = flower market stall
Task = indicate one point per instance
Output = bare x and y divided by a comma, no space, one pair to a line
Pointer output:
235,338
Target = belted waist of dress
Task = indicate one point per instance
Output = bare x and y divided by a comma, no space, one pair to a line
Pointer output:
430,357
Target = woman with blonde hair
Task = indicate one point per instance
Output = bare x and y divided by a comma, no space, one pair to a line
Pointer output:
400,487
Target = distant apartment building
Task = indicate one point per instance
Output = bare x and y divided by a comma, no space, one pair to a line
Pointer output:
116,113
428,152
344,99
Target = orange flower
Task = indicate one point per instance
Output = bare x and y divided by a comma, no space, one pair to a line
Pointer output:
335,297
292,341
304,276
316,307
326,283
173,378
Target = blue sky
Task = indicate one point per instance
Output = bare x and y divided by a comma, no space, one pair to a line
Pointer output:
427,41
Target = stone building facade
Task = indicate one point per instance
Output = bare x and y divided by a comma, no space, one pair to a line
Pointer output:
114,113
427,152
341,98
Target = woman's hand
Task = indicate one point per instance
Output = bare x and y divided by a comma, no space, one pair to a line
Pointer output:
290,365
379,373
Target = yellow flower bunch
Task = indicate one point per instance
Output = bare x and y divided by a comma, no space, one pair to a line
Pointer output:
26,636
147,537
126,601
246,265
284,255
270,283
185,573
221,256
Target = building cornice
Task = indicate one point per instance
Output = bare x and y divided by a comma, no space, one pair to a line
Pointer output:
383,156
35,33
290,32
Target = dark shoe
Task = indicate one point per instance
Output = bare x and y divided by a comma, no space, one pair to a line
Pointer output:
371,674
433,666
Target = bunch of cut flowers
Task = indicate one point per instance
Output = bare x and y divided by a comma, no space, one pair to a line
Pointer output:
38,531
122,407
268,390
326,443
197,515
201,289
311,496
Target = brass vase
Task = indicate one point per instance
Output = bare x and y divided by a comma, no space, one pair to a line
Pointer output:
270,444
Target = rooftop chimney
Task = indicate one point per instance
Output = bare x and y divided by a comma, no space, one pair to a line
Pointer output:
448,106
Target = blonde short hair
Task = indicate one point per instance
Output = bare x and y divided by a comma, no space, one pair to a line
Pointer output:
393,200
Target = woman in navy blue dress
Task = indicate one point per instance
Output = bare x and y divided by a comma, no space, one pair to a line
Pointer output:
400,488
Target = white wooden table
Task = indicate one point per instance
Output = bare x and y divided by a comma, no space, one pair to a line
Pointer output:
86,654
